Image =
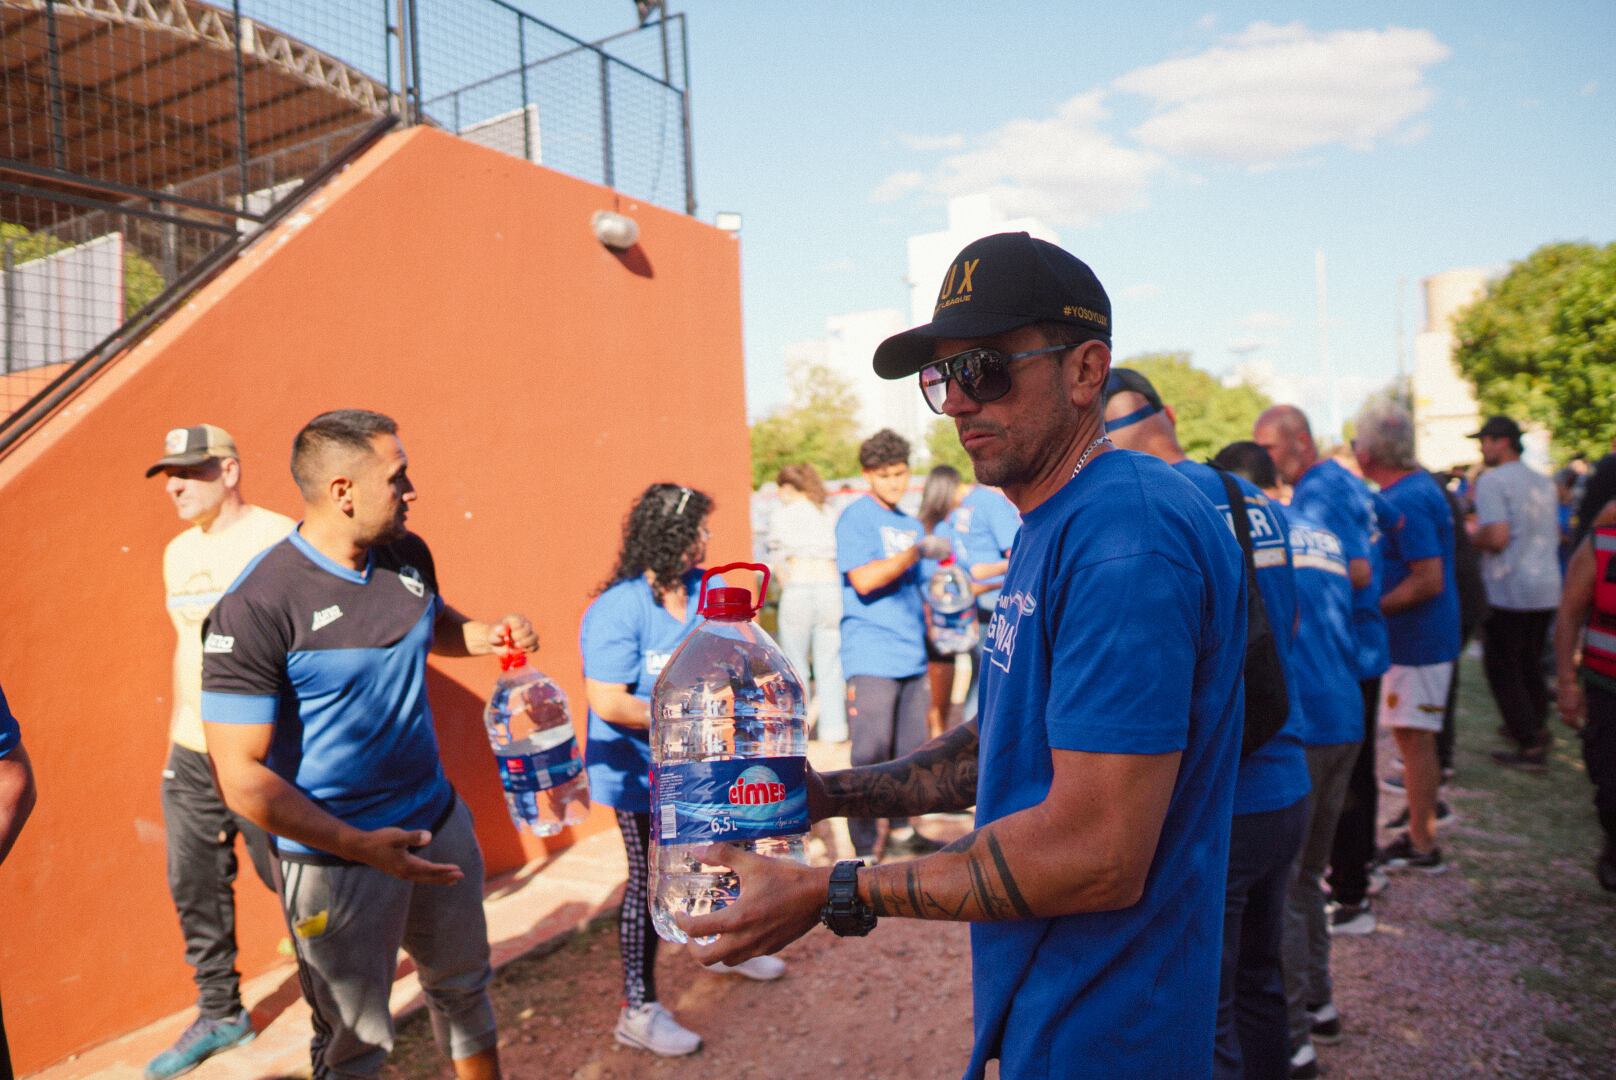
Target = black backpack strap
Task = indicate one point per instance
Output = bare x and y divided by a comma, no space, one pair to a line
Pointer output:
1242,524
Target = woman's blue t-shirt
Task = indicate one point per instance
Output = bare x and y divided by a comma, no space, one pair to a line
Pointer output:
627,638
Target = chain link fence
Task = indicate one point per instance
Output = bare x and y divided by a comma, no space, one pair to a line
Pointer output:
142,142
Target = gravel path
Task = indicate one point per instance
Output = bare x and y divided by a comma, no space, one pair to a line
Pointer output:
1505,966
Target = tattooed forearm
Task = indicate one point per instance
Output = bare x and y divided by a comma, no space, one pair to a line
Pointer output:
969,880
940,776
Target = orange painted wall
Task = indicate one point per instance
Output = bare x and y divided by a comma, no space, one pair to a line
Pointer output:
540,382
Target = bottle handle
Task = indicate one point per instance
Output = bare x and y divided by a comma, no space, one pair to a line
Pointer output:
701,598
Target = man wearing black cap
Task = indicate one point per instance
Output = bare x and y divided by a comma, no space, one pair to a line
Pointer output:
202,471
1517,529
1103,759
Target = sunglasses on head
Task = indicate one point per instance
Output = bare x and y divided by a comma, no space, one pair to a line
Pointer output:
982,374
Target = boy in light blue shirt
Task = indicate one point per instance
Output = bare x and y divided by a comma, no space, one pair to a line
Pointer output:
878,553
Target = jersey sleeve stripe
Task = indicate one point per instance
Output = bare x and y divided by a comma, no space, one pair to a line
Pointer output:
220,708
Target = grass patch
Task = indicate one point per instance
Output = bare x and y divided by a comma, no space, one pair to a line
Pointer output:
1526,844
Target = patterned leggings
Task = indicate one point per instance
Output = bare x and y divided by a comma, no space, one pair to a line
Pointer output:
636,938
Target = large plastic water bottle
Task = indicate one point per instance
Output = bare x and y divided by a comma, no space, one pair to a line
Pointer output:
729,743
952,602
530,730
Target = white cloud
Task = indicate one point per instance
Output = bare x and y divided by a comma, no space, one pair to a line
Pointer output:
1147,290
1245,345
897,186
1062,169
1271,92
1590,88
932,142
1207,21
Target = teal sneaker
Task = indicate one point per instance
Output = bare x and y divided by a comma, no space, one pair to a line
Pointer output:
204,1038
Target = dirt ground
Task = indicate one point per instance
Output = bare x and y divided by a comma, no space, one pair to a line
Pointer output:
1503,967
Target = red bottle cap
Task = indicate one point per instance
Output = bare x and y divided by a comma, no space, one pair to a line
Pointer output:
725,604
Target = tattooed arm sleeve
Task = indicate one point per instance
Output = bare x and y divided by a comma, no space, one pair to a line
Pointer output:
1087,847
939,777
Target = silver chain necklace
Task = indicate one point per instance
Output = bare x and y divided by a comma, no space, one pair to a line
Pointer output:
1093,446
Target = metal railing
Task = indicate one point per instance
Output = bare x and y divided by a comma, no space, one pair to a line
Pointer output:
142,141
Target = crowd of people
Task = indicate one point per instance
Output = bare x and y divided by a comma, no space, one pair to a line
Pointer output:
1178,677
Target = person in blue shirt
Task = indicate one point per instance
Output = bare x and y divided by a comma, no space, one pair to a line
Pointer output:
641,613
315,711
1360,519
1102,762
1324,661
985,525
1420,597
878,552
1270,795
17,798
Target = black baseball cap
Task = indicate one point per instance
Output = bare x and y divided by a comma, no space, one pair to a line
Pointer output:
1499,427
995,285
1128,381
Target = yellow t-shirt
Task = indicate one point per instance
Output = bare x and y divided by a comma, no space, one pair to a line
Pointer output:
197,568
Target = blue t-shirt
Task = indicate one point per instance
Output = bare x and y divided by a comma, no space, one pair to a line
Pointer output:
627,638
10,733
1275,774
1121,630
1428,632
1340,502
883,633
335,659
1325,655
986,523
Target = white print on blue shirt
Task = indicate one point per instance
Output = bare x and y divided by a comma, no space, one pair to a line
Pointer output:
1007,615
1316,549
894,541
1267,542
656,661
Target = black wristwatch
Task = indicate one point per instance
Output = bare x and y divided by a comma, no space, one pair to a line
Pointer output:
843,912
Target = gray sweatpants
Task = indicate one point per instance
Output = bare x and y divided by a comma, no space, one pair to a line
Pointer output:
348,923
1306,948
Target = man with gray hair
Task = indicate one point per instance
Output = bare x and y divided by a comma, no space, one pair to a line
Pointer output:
1420,598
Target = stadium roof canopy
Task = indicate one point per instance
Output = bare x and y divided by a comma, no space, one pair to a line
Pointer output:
105,101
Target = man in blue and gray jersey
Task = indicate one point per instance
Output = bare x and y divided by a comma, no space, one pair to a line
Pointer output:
315,707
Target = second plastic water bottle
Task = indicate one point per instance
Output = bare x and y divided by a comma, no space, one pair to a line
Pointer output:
729,747
952,621
531,733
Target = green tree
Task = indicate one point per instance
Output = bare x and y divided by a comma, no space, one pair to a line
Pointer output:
1210,415
943,447
819,425
1540,345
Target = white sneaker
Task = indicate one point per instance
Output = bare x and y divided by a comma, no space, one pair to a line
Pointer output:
1377,882
761,968
651,1027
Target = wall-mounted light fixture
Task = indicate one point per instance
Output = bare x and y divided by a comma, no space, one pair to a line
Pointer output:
728,220
617,231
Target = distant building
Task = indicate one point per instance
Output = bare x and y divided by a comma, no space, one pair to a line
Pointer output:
1445,409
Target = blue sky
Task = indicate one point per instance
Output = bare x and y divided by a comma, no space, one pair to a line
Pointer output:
1195,156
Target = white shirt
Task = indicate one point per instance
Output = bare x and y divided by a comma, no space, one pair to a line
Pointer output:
1525,576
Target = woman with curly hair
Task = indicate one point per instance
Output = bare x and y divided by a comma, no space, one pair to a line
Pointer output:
638,617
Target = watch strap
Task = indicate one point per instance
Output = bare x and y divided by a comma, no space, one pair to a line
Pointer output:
844,913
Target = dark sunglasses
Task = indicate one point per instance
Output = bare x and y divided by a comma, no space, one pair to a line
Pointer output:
983,374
